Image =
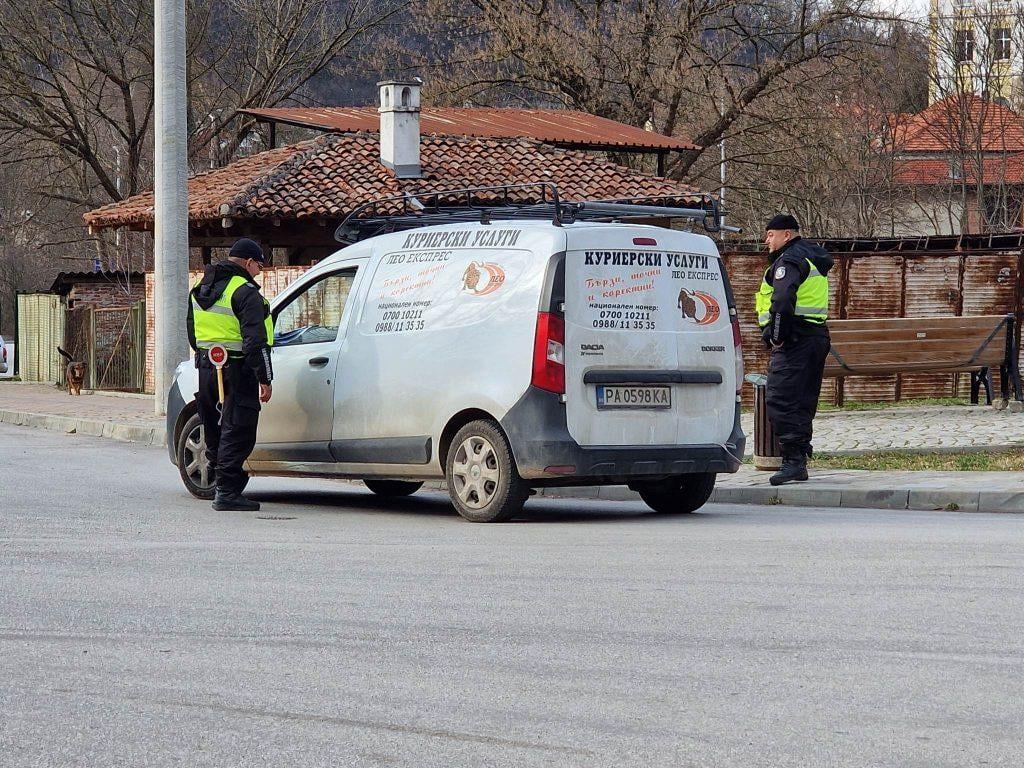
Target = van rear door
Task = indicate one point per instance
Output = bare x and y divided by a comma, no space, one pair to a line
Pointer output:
650,358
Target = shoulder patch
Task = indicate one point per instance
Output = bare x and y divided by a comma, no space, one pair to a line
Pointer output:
780,273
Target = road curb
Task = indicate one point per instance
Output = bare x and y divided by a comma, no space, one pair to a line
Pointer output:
799,495
93,427
813,496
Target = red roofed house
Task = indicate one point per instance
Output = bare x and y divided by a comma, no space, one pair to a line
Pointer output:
291,199
960,165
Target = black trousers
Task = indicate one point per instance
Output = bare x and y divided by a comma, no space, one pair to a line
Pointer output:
230,436
794,386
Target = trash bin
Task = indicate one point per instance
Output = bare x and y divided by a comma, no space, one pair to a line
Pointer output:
767,451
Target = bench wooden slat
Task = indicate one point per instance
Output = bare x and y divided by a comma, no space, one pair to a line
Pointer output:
973,321
919,347
834,371
910,335
896,359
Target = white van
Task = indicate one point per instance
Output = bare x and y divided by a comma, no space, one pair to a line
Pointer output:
501,357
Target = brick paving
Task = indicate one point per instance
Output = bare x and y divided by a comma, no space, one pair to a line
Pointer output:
917,427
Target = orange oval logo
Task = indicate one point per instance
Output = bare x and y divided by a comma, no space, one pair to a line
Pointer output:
482,278
702,308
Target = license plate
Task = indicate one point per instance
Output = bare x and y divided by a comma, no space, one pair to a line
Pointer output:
633,397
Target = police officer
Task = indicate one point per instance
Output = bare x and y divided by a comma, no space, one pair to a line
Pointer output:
226,308
792,307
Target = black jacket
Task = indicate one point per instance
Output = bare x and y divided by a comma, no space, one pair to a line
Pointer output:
788,270
248,306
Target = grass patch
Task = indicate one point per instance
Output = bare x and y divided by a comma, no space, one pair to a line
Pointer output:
980,461
854,405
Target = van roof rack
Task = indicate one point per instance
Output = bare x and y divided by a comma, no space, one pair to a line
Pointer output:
496,203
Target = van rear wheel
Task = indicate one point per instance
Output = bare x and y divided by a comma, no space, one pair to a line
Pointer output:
392,488
483,482
677,495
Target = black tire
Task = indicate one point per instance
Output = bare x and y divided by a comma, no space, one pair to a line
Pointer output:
494,492
678,495
393,488
190,451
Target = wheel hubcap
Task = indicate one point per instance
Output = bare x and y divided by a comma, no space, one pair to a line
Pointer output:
197,466
475,472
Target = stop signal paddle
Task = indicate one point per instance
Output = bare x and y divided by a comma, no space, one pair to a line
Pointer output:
218,356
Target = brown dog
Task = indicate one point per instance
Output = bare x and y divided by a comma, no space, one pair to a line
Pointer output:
75,373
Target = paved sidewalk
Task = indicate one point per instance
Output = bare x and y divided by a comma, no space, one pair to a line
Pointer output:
101,414
931,427
922,428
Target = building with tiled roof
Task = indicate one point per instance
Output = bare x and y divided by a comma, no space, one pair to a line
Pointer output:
324,179
959,166
292,198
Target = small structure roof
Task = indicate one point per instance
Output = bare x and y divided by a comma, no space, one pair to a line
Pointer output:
64,282
325,178
561,127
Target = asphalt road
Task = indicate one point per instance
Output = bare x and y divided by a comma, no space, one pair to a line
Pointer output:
140,628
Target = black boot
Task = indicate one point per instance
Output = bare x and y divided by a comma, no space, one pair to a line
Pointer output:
793,468
233,501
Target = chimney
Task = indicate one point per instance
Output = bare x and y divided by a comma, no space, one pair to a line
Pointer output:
400,126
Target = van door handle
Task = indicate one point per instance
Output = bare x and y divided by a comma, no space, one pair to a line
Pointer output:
319,362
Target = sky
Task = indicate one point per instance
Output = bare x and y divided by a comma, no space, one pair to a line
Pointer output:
911,8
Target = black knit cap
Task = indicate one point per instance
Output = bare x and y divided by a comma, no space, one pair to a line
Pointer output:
246,249
782,221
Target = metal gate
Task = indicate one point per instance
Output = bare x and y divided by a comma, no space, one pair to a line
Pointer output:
40,324
111,341
118,354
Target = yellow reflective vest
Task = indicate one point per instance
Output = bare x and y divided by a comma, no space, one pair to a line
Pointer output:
219,325
811,297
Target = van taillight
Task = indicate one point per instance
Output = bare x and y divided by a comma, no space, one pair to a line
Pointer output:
549,353
737,342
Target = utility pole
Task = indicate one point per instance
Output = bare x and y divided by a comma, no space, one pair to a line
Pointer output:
170,242
721,188
721,171
116,261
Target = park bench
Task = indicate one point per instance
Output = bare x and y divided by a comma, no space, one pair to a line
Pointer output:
880,346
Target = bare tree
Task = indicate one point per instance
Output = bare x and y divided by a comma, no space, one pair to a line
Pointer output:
76,89
821,144
259,53
692,68
33,239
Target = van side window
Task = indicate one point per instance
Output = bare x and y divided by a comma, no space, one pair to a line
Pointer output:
313,315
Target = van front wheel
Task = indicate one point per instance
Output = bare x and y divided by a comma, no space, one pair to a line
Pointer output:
483,482
678,495
196,473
